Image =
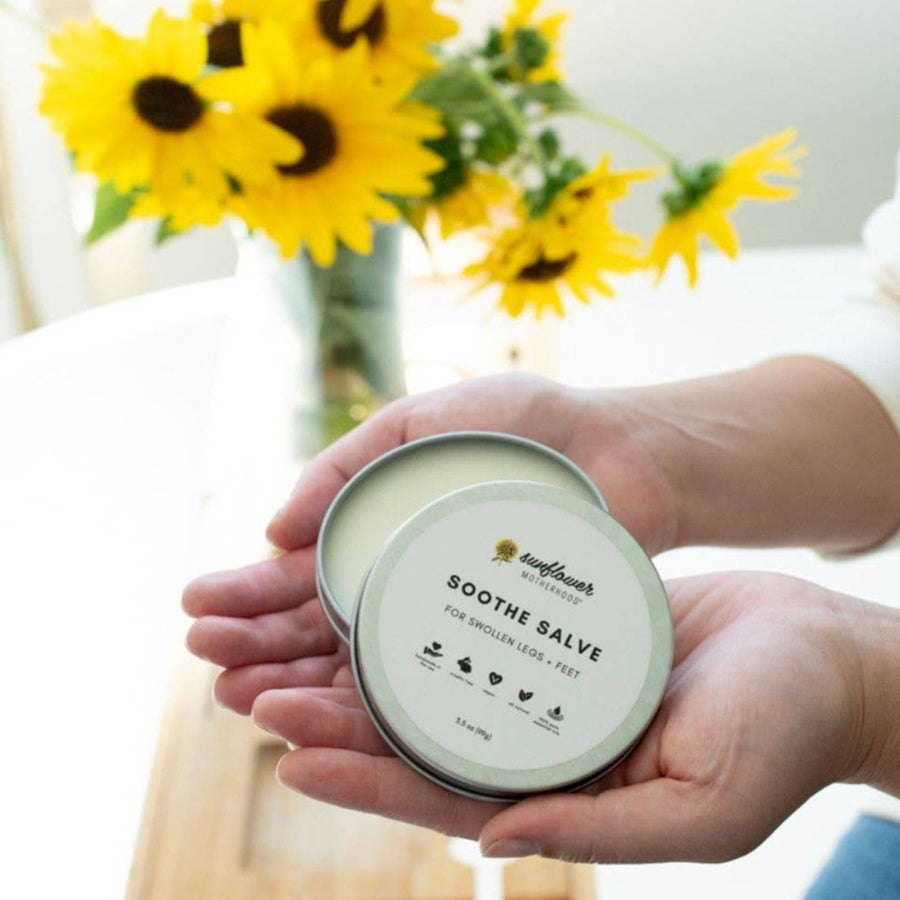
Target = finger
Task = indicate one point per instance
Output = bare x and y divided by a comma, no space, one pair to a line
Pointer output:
277,637
319,719
236,689
658,821
265,587
296,524
344,677
383,785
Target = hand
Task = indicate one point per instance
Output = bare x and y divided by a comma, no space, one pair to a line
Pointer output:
263,622
605,434
762,710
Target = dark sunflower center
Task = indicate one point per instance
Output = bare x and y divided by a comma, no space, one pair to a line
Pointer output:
328,14
546,269
313,129
224,45
166,104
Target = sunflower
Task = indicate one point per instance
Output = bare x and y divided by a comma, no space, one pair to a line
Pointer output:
359,142
522,18
141,114
536,263
705,194
472,205
591,195
223,22
397,33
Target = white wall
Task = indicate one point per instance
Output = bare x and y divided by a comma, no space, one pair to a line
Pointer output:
711,76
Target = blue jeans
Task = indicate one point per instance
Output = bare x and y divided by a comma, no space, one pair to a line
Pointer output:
865,865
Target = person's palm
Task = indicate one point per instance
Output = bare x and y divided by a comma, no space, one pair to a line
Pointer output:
758,715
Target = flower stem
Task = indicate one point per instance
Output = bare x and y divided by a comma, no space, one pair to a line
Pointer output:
641,137
509,112
22,17
501,62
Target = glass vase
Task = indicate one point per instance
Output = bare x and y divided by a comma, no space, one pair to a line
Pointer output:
335,332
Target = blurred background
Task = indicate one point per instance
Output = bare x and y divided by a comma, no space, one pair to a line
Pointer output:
703,76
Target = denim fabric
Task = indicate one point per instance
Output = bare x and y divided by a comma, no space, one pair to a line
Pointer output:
865,864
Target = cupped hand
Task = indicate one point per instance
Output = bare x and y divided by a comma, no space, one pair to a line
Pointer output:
761,711
262,622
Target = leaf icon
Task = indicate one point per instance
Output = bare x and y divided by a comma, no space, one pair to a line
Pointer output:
525,695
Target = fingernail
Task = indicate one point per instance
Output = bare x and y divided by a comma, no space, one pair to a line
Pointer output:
509,849
261,725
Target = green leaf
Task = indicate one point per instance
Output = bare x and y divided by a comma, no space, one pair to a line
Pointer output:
111,210
447,87
456,168
549,143
498,143
547,93
692,185
493,46
165,231
540,199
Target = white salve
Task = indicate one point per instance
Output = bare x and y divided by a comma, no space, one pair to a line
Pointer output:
393,490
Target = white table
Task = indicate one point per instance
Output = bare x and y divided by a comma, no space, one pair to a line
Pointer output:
104,460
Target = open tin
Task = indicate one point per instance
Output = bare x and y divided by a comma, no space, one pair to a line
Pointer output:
384,494
511,638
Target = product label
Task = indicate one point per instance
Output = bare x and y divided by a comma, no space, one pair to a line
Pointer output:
515,634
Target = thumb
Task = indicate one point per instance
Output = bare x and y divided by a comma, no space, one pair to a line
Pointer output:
657,821
296,524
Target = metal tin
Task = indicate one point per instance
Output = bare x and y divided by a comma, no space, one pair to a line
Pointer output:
389,490
511,639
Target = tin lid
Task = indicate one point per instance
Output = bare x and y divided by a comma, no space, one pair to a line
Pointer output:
398,484
511,639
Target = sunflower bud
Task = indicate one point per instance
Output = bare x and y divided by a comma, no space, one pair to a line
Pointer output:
530,48
693,185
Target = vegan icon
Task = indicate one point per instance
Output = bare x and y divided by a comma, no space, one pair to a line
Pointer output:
495,679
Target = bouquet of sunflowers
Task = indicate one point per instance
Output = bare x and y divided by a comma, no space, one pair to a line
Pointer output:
313,120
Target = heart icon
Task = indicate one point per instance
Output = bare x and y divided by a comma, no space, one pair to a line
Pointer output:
435,645
495,678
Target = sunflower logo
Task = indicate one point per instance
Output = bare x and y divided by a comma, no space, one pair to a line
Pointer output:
505,550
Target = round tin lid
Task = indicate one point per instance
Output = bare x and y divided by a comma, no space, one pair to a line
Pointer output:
512,638
389,490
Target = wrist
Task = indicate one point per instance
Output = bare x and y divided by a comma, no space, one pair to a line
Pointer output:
630,460
793,451
874,633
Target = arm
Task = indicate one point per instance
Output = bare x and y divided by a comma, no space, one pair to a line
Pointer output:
794,451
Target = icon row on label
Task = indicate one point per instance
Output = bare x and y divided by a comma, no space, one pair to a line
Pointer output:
435,650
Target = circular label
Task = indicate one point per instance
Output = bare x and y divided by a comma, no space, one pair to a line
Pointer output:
514,633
